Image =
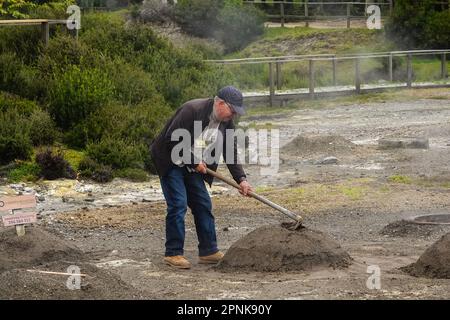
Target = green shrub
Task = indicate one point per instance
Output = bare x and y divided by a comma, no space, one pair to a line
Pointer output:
437,30
42,128
231,22
238,25
26,171
117,153
133,85
19,78
53,165
91,169
76,93
419,24
136,123
198,17
15,142
24,41
22,106
63,52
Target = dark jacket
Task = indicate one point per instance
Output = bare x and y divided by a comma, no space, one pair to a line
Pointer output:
194,110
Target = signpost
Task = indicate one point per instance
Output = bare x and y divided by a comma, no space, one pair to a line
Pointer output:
11,205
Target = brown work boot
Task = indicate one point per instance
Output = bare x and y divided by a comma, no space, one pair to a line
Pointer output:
211,259
177,262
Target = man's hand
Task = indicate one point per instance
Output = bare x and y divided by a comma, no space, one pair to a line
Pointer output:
201,167
245,188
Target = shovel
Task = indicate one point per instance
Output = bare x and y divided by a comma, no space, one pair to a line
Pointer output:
297,219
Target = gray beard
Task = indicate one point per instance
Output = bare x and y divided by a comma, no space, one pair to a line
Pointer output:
213,117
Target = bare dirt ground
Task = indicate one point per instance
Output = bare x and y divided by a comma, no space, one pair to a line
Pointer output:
352,201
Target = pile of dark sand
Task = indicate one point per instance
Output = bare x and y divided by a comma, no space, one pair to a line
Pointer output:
275,248
36,247
314,146
405,228
42,251
434,262
99,284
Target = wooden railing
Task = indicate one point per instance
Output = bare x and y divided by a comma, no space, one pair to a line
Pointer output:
44,23
275,67
307,6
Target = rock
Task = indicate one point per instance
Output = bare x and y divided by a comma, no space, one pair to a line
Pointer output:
146,200
226,229
327,160
28,190
403,143
216,192
41,198
19,187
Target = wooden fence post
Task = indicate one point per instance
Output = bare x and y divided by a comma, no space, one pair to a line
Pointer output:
444,66
282,13
334,70
45,32
409,70
348,15
391,67
278,72
306,13
357,76
311,78
271,84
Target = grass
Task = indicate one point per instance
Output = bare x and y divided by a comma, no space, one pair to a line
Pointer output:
400,179
26,171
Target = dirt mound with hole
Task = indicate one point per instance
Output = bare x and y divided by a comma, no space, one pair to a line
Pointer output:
313,146
434,262
36,247
98,284
405,228
275,248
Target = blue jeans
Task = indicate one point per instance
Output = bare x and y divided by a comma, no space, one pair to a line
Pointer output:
182,189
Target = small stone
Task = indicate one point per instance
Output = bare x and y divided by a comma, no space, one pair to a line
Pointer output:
41,198
146,200
89,199
327,160
226,229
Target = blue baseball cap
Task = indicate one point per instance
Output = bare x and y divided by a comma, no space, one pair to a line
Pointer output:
233,97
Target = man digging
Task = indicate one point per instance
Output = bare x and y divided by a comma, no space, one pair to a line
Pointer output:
182,174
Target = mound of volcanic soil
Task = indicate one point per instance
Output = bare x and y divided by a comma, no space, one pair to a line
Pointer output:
36,247
97,284
275,248
405,228
23,260
434,262
313,146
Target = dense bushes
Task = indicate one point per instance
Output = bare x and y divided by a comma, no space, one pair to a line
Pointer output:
106,95
77,93
420,24
231,22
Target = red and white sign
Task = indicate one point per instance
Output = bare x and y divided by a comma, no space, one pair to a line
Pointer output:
19,218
